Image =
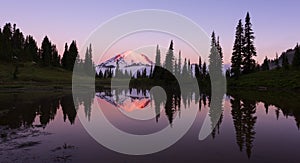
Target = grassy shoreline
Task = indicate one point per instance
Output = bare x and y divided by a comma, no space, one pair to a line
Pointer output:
273,80
35,78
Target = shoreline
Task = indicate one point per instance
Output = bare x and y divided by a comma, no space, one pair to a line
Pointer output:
67,87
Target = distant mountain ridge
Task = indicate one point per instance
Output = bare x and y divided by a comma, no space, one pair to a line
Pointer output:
129,61
288,53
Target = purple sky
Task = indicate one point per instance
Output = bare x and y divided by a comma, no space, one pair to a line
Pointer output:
275,23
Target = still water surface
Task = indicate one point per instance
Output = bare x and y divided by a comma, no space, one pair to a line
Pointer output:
254,127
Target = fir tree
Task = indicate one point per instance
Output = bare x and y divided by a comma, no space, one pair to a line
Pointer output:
55,58
31,50
17,43
189,70
175,68
197,72
277,61
46,51
6,53
157,57
179,63
73,53
65,61
169,61
199,63
285,61
296,59
88,61
249,49
215,63
237,54
219,48
204,68
184,70
265,65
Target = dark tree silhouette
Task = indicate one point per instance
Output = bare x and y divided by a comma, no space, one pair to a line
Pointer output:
31,50
249,49
157,57
55,61
175,67
6,42
17,43
169,61
237,54
236,113
296,59
244,120
46,51
215,62
285,61
179,64
200,63
88,61
184,74
73,52
204,69
65,59
276,61
265,65
219,48
70,55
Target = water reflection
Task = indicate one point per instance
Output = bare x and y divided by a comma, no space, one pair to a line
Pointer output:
23,110
137,99
18,110
244,119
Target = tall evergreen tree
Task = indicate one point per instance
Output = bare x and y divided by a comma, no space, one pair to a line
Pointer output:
219,48
46,51
157,57
204,68
277,61
197,72
296,59
215,63
6,42
17,43
189,70
237,54
65,59
249,49
73,53
31,50
265,65
169,61
55,57
184,70
179,63
200,63
285,61
175,68
88,61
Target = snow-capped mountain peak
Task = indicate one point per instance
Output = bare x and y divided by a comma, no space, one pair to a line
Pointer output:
129,61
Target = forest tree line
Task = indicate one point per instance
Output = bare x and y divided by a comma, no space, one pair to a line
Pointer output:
244,51
17,48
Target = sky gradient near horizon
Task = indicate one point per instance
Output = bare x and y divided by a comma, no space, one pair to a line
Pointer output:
275,23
